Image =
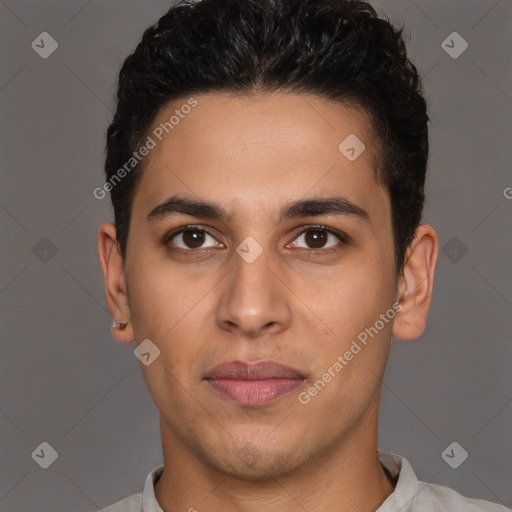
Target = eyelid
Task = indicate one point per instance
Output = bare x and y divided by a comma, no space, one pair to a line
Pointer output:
343,237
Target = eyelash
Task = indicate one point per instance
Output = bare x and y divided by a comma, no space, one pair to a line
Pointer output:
342,237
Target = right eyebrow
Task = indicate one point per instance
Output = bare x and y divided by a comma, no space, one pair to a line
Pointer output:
176,204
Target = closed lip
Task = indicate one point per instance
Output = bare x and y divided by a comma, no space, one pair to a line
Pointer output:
253,383
253,370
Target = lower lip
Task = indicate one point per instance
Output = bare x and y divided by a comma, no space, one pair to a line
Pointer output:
254,393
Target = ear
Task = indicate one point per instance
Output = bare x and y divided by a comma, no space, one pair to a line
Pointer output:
112,265
415,284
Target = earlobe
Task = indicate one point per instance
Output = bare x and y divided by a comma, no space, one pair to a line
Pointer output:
415,284
112,266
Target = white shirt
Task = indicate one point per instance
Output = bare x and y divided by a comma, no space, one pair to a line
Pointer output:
410,495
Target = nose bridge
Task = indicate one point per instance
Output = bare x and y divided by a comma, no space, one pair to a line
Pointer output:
251,273
253,298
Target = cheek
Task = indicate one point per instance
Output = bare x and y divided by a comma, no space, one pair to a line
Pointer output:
350,297
167,309
350,304
173,310
351,359
160,296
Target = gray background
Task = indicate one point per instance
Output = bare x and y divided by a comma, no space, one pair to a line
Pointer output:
64,380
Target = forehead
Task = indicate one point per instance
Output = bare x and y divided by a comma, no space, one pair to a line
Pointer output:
262,148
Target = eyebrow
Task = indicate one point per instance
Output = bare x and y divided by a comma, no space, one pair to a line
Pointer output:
302,208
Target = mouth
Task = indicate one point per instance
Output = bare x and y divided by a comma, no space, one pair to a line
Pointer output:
253,384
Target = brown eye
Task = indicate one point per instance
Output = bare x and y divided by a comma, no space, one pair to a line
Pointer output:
191,238
317,238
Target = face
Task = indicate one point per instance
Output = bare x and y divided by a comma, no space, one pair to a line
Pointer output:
252,280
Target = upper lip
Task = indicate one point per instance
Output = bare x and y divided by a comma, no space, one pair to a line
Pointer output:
253,370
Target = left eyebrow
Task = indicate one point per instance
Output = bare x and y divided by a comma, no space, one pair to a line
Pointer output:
312,207
323,206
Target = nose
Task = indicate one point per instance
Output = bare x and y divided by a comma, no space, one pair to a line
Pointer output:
254,300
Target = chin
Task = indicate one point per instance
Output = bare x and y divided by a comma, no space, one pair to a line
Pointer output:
251,463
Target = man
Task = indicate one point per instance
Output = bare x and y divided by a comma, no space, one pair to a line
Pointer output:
266,164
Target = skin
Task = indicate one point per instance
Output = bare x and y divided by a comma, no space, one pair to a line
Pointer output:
253,155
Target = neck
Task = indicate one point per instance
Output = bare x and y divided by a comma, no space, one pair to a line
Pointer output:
348,477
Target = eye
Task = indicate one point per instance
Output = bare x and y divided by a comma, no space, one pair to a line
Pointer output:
190,238
316,237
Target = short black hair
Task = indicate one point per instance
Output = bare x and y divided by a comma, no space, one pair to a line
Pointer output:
340,50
